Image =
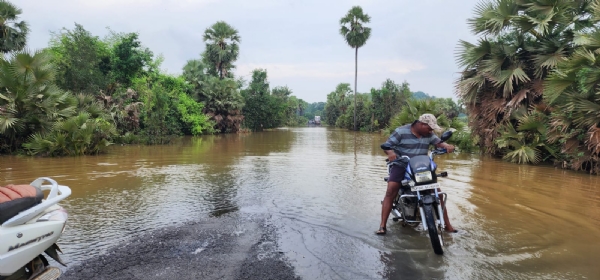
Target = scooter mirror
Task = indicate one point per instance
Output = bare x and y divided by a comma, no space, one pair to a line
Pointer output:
446,135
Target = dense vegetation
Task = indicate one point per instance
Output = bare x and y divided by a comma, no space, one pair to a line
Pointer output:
83,93
530,84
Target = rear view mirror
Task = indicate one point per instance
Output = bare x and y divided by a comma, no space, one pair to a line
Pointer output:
446,135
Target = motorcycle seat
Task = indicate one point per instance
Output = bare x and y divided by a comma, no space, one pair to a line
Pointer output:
17,198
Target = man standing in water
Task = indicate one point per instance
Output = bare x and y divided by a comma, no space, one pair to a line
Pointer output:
409,140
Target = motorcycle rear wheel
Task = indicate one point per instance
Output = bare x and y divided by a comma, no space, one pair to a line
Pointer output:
432,228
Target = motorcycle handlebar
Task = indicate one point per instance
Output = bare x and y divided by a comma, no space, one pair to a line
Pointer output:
440,151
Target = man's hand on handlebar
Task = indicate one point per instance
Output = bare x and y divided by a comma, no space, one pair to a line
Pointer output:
391,155
449,148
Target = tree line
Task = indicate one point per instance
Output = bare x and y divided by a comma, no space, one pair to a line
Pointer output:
83,93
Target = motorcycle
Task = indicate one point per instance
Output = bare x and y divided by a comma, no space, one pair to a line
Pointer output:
31,231
419,202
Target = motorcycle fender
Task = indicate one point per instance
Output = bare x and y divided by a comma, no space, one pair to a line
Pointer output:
428,199
52,252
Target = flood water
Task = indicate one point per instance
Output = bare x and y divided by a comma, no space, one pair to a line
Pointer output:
322,188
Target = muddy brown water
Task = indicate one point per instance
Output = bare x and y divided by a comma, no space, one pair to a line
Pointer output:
322,189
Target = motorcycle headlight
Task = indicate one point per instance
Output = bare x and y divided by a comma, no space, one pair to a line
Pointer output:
423,177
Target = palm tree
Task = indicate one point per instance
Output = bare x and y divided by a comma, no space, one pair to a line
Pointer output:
523,42
29,100
356,36
222,48
223,103
572,90
13,33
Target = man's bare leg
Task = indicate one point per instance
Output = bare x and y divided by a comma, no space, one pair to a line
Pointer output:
386,207
449,227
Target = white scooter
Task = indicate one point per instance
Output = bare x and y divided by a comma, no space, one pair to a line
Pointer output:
32,231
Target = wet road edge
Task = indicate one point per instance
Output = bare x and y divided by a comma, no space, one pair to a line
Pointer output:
227,247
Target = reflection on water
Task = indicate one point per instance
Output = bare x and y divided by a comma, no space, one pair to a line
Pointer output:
322,188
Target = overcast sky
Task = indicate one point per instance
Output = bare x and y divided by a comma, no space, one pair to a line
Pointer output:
298,42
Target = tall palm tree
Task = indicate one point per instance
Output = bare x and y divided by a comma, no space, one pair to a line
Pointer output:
356,36
13,33
222,47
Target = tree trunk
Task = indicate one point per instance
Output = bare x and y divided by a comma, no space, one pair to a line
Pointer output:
355,78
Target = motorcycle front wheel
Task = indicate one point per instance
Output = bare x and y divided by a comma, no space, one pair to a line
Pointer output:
432,228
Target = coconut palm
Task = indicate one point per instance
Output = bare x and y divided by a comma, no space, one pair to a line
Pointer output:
222,48
13,33
356,36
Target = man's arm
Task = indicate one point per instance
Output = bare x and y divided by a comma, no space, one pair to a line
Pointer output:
392,141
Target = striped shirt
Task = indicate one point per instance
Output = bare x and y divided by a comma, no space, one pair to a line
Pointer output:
405,143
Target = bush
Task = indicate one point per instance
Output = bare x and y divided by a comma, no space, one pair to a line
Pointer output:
195,122
78,135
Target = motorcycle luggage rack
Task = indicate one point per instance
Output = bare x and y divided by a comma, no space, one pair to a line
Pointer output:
57,193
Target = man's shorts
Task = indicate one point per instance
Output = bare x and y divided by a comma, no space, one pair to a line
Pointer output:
397,171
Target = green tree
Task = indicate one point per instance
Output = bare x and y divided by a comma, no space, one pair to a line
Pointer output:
388,101
259,85
363,115
337,103
194,72
158,118
222,48
281,91
222,99
262,110
13,33
292,105
196,122
129,59
356,36
83,61
223,103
